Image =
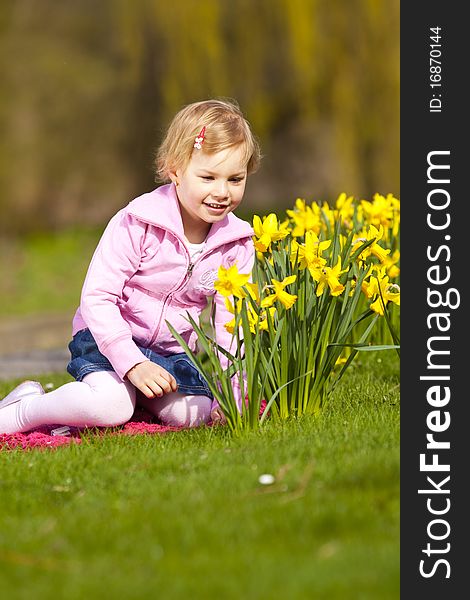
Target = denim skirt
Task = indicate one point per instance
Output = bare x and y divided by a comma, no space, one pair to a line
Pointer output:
86,358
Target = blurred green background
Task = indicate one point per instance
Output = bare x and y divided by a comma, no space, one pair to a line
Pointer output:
89,87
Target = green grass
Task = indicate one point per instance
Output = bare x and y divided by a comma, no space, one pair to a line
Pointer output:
44,273
183,515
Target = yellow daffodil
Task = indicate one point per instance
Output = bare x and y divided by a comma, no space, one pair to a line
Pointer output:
263,319
345,209
252,316
288,300
391,266
305,218
390,293
379,212
383,211
256,323
377,285
267,231
369,284
285,226
374,249
253,291
329,276
309,255
230,326
230,281
252,320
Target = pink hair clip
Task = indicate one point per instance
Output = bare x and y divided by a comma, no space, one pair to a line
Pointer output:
199,139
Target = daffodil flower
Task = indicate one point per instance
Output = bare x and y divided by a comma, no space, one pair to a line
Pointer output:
374,248
345,208
267,231
386,292
390,293
306,218
383,211
252,316
328,276
288,300
230,326
379,212
263,319
255,323
262,322
253,290
309,255
369,284
379,285
230,281
390,264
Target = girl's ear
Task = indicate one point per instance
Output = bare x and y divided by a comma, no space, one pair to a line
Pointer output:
173,175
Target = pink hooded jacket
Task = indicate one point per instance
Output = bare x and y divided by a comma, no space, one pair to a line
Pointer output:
141,275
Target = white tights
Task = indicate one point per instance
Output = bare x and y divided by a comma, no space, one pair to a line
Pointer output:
100,400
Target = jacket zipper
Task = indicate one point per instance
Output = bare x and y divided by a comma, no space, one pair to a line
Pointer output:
189,272
182,283
169,296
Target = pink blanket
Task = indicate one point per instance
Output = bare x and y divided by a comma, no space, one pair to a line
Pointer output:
46,437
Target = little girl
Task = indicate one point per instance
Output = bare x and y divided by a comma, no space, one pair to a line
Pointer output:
157,260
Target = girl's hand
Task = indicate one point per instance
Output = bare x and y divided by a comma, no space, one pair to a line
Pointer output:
218,417
152,380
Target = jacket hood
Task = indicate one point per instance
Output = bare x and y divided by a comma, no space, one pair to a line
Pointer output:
162,209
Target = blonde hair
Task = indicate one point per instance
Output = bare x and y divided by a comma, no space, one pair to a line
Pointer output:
226,127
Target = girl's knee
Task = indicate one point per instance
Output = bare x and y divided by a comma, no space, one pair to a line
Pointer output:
107,413
115,414
179,410
113,401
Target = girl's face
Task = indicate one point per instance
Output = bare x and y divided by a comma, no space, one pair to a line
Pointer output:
211,186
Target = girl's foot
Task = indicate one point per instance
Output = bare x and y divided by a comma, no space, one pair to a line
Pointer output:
25,389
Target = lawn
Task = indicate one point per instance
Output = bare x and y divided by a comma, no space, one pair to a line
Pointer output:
182,515
48,271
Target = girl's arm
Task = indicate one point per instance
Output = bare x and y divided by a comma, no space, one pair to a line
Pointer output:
116,259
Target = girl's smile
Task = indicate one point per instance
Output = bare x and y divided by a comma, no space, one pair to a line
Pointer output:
218,208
